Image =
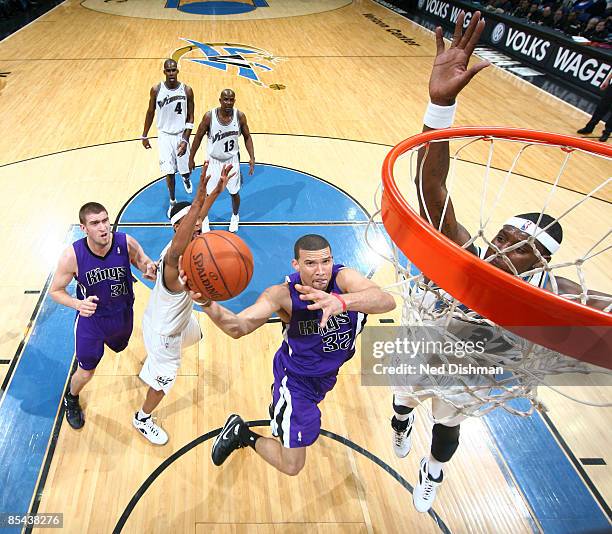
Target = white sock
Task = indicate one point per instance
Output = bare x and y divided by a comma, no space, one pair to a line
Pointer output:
402,416
142,415
434,467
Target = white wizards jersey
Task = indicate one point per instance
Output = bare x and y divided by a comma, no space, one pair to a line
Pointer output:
167,313
171,107
222,138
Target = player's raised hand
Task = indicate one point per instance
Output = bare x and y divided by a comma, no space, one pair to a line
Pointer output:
450,73
195,296
88,306
204,177
321,300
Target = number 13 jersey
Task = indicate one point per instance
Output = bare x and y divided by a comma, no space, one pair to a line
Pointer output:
171,109
223,138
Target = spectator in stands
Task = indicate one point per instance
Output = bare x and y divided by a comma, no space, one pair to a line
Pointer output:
558,20
589,29
546,18
534,14
572,25
601,33
522,9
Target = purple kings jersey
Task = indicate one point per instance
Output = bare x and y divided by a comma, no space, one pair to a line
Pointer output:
309,351
109,277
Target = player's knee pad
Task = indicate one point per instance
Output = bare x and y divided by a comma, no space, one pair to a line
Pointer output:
400,408
444,442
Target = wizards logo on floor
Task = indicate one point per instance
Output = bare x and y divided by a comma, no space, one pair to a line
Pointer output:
247,61
215,8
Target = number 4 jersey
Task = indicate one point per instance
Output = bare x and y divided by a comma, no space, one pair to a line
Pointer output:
171,109
223,138
109,278
309,351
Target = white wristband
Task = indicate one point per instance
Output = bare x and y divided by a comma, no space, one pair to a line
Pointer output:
189,126
143,137
439,116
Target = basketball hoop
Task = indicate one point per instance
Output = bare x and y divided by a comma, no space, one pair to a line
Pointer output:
445,287
584,333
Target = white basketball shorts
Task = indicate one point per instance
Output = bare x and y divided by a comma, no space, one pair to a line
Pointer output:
214,170
164,354
169,161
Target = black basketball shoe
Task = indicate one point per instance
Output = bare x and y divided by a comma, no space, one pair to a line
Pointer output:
74,413
228,439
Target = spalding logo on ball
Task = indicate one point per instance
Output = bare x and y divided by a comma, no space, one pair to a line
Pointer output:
218,264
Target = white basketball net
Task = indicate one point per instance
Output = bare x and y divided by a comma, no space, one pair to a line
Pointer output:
432,313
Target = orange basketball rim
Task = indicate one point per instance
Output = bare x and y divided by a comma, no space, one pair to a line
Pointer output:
540,316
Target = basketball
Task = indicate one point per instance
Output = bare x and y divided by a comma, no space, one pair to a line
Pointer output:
218,264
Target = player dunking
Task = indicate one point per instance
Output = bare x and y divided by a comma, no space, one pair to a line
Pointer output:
450,74
223,126
169,324
100,263
175,108
323,308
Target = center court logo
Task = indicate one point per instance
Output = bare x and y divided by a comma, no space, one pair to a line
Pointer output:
247,61
498,32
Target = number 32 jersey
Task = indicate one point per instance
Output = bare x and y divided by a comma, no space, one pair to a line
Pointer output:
171,109
309,351
223,138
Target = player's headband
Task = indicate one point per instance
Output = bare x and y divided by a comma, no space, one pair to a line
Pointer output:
180,214
531,228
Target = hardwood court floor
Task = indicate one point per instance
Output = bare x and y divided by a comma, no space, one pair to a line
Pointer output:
76,97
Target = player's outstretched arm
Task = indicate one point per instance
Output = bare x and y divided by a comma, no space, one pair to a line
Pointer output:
449,75
184,234
275,299
568,287
248,141
140,260
202,130
65,272
149,116
359,294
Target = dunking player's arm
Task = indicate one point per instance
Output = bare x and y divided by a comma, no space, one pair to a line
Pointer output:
190,223
450,74
360,294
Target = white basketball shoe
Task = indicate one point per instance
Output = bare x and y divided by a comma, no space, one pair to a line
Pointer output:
172,203
233,226
424,492
402,439
154,433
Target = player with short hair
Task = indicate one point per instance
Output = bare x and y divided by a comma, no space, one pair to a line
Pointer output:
100,263
169,324
175,111
224,125
450,74
323,308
